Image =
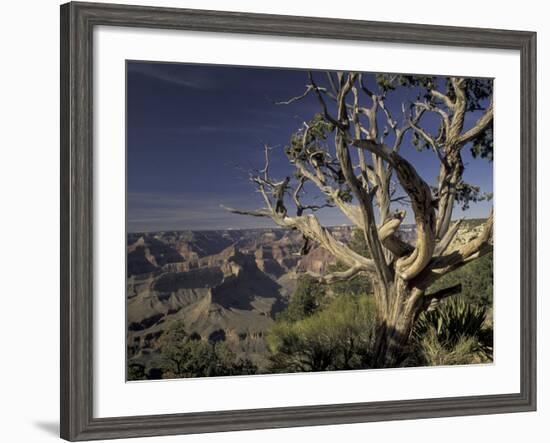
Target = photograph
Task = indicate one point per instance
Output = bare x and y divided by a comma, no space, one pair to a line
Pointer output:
296,220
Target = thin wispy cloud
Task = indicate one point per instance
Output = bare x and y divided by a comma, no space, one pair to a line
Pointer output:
193,210
158,72
199,211
228,129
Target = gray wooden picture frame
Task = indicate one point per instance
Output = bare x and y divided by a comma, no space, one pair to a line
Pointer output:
77,23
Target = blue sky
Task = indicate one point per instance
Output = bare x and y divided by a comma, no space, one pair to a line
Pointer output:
195,130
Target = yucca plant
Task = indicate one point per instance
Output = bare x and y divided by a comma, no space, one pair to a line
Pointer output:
453,333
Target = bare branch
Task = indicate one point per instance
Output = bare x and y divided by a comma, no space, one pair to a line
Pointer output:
391,122
431,301
332,84
443,98
365,171
484,121
364,87
334,277
323,103
352,212
259,213
309,88
430,140
390,240
450,175
444,243
309,226
422,204
451,172
391,226
472,250
459,110
279,195
397,247
300,207
265,170
296,196
409,122
403,199
444,116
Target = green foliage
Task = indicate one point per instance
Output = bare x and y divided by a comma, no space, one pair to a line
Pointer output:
459,331
305,301
183,355
136,372
467,193
454,333
433,352
483,144
387,82
319,130
337,337
476,279
358,286
309,145
478,90
452,319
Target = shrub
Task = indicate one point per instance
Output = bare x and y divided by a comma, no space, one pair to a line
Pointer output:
454,333
183,355
305,300
437,353
338,337
136,372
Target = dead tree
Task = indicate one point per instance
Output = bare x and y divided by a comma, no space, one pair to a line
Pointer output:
346,131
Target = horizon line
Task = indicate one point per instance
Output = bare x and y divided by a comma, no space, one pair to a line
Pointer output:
342,225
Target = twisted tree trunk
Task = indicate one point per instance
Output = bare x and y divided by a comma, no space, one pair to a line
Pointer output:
395,322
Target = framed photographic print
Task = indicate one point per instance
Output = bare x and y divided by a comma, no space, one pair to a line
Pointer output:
273,221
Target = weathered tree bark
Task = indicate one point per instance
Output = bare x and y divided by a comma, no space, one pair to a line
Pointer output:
395,323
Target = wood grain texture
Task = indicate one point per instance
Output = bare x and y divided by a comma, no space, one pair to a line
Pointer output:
77,22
